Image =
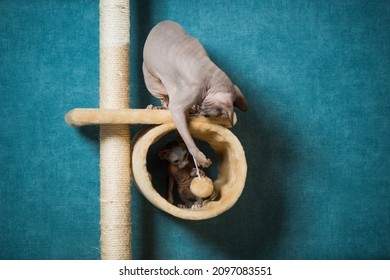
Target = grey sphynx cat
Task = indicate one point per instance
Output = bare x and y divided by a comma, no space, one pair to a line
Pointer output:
178,71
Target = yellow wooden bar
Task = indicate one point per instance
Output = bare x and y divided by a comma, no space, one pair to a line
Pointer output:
81,117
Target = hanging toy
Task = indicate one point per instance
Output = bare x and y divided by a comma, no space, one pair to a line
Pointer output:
202,186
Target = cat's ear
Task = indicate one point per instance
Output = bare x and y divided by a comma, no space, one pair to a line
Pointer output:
164,153
240,101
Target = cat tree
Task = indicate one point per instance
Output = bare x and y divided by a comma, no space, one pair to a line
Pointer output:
114,117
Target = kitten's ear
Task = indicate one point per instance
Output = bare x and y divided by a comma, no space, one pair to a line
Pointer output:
164,153
240,101
180,143
179,140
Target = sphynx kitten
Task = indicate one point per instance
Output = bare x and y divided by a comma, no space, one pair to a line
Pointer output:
181,172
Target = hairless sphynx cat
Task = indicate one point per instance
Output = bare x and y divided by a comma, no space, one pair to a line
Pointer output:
178,71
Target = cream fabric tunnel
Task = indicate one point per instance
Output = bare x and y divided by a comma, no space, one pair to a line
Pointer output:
231,163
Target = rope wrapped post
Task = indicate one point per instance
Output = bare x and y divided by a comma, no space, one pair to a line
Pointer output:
115,194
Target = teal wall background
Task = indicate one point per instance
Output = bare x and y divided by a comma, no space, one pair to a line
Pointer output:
316,77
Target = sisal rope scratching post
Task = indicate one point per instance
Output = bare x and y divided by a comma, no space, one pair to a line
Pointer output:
115,194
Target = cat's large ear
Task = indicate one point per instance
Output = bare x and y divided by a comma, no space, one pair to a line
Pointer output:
164,153
240,101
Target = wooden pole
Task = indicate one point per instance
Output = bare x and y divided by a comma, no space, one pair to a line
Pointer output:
115,193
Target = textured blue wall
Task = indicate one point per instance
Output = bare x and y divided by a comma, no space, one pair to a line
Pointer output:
315,74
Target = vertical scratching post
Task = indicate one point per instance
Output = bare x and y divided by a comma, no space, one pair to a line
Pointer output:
115,139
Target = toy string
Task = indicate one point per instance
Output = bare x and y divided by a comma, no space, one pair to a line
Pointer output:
197,169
